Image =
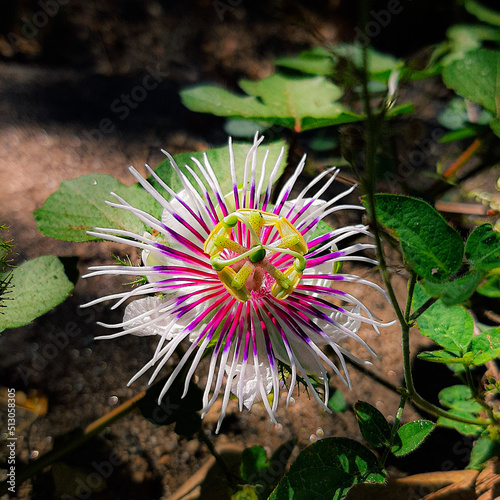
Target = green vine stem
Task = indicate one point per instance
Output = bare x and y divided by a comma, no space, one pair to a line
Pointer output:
394,430
231,479
373,125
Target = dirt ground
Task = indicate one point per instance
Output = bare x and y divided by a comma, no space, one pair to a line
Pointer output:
55,90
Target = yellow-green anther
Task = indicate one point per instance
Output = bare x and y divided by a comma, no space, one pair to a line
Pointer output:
242,275
253,260
226,277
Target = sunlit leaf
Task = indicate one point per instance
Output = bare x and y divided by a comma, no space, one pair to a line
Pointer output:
78,206
320,61
411,436
297,103
491,287
463,428
35,287
450,327
486,346
432,248
441,356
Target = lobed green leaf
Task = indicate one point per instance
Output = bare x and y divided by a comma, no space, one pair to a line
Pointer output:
219,160
463,428
486,346
297,103
78,205
491,287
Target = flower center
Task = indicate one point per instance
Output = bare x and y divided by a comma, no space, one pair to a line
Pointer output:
242,268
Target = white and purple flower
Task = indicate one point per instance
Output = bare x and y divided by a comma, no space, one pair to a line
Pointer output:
250,283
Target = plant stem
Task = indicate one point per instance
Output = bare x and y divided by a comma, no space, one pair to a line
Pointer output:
428,303
394,429
220,461
368,184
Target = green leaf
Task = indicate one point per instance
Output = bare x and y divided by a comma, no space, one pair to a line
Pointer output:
244,129
460,134
253,460
219,160
465,429
320,61
450,327
483,450
327,469
441,356
486,346
483,248
257,470
482,12
78,206
337,402
432,248
459,397
411,436
456,291
372,423
476,77
467,37
491,287
35,287
456,116
298,103
246,493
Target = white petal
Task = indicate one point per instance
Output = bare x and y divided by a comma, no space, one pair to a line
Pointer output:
250,392
152,324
